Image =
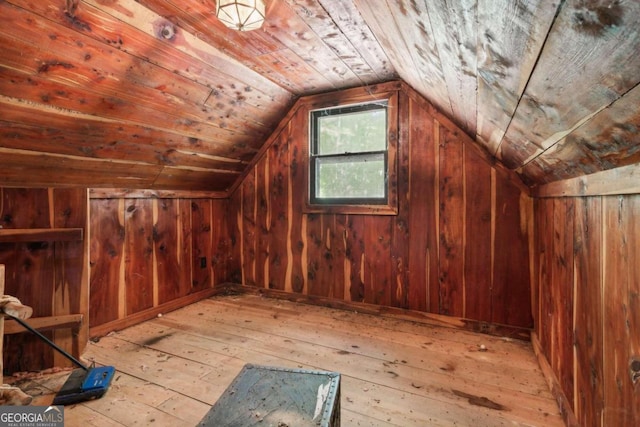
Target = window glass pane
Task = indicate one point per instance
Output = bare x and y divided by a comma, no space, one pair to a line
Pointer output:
351,177
354,132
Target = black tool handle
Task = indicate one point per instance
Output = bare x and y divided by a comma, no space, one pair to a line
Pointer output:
48,341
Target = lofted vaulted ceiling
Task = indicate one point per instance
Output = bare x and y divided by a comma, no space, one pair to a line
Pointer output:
158,94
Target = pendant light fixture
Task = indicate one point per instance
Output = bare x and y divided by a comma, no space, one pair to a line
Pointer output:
241,15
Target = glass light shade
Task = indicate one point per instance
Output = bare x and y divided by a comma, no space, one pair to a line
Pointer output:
241,15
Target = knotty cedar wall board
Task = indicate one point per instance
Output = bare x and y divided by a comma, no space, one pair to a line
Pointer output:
50,276
150,255
588,309
460,244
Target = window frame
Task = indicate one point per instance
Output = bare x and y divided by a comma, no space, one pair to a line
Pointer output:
356,205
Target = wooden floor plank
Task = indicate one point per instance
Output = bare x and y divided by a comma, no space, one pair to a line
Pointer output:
374,341
171,369
387,403
358,321
271,338
295,353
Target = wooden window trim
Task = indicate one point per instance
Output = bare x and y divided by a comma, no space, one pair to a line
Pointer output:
391,207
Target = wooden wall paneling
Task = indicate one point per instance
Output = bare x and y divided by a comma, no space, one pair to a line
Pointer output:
332,264
423,262
355,255
34,277
393,135
238,232
433,292
562,294
233,217
29,273
588,309
279,217
249,229
365,258
30,278
221,246
319,255
632,382
8,259
451,255
71,290
399,261
2,280
263,220
167,249
478,250
342,260
400,223
511,297
298,128
186,241
377,273
106,259
338,257
201,252
24,208
621,310
138,253
622,180
545,232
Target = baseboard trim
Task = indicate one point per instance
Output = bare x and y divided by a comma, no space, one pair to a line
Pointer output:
416,316
116,325
565,406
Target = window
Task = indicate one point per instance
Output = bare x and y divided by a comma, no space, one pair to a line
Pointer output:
349,158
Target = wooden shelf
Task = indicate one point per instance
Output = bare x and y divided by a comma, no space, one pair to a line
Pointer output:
44,323
40,234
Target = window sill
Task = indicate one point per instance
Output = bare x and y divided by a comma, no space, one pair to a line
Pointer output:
351,209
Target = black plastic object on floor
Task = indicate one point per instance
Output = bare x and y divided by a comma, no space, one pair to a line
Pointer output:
84,383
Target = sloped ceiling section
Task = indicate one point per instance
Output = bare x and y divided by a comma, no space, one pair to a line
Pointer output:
160,95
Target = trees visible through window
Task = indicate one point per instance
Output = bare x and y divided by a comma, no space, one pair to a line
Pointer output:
349,155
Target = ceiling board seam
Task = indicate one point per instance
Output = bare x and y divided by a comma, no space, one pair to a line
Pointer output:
535,65
229,59
72,157
4,99
309,64
439,57
577,126
348,40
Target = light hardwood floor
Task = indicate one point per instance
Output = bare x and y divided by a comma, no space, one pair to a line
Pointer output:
171,369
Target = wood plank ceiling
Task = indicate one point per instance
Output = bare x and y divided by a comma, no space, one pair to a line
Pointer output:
158,94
